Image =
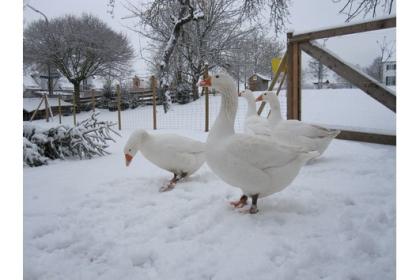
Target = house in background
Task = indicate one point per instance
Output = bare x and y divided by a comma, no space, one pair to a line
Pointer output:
389,73
258,82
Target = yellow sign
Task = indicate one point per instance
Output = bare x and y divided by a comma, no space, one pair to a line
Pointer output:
275,63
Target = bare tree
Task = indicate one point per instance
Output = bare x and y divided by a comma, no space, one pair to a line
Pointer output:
386,52
173,14
278,9
79,47
317,69
212,40
353,8
254,55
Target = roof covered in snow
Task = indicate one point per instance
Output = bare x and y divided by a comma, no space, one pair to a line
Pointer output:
262,77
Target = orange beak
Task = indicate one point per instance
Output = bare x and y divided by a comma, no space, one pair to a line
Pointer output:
205,82
128,159
259,98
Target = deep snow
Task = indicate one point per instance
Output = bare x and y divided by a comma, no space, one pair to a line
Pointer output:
97,219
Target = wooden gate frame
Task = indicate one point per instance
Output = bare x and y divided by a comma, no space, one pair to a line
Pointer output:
299,42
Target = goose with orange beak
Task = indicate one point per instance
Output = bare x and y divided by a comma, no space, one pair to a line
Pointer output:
295,132
254,124
177,154
258,165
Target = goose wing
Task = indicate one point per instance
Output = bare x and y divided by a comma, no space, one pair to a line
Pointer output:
179,143
262,152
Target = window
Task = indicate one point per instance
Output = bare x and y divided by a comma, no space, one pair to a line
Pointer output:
391,66
390,81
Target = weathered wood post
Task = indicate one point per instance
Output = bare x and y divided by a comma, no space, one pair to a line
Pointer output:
119,106
293,78
93,99
153,85
47,118
206,92
59,108
36,110
74,109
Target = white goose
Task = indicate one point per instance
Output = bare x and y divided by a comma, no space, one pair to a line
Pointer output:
177,154
296,132
259,165
254,124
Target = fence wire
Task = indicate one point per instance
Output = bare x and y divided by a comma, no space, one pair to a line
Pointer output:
190,116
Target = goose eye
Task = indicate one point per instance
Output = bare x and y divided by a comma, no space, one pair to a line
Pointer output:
129,150
217,76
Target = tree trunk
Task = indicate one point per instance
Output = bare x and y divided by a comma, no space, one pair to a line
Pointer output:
194,88
76,93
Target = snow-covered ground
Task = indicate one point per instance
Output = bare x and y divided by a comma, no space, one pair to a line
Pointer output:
97,219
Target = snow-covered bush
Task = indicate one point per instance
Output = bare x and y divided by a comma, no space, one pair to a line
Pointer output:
87,139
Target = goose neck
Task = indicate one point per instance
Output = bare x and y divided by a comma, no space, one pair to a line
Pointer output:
225,121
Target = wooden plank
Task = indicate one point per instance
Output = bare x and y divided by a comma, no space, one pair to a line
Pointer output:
367,137
46,108
93,99
59,109
364,82
275,78
74,109
296,92
37,108
289,78
346,29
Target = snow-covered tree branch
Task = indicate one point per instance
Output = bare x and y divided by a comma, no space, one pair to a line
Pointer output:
86,140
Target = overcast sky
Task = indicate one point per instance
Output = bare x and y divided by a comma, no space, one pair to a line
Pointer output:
304,15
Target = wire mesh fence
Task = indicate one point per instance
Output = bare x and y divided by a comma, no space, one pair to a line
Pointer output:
191,115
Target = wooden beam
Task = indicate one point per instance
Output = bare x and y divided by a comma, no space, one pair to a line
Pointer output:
373,88
289,92
346,29
296,88
368,137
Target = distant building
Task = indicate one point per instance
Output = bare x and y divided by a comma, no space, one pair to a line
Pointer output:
389,73
258,82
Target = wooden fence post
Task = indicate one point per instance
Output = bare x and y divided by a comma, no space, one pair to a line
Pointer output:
36,110
59,108
74,109
119,106
93,99
293,79
153,85
47,118
206,92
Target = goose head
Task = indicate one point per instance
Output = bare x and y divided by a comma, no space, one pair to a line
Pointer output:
221,82
248,95
269,97
133,145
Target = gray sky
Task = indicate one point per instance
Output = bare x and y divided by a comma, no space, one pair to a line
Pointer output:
304,15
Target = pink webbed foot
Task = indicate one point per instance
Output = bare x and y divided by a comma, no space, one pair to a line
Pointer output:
240,203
